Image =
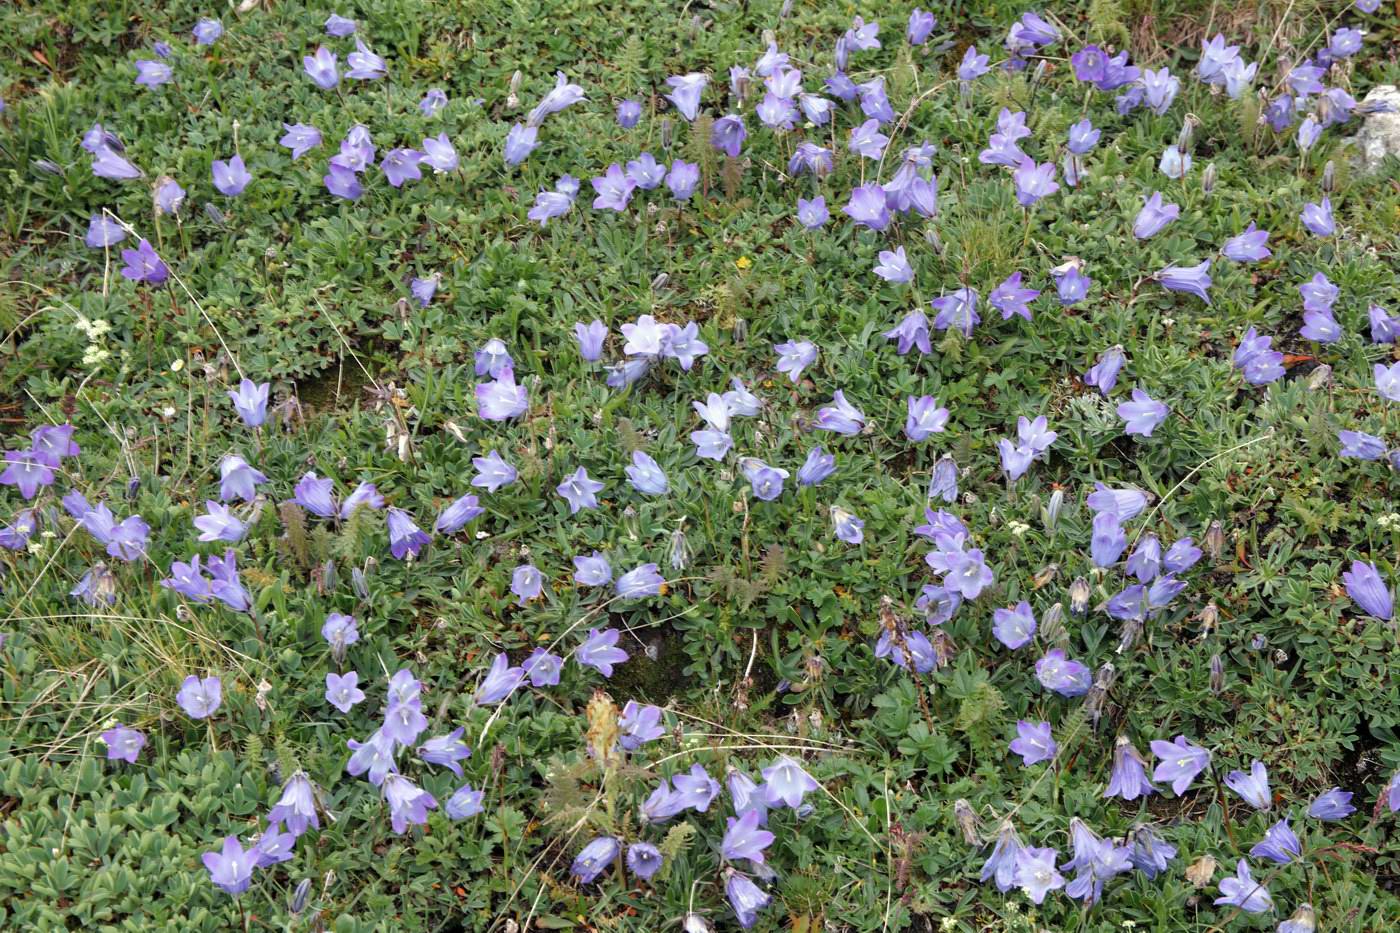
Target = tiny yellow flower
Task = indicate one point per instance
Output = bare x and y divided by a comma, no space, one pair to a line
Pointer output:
743,262
176,365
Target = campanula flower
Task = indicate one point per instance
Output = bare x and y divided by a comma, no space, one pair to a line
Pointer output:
200,699
458,514
1318,218
628,113
868,207
840,417
1001,150
1194,280
1256,358
492,472
696,789
143,265
432,102
744,839
1360,446
465,802
921,26
646,475
592,570
560,97
1001,864
123,743
1033,181
152,73
1010,298
683,344
727,135
493,359
817,467
614,189
795,356
848,527
740,401
1368,590
102,232
776,112
1304,919
1320,325
1035,873
957,311
711,445
446,750
1384,328
645,171
685,92
1154,217
911,332
1128,776
943,484
1174,163
812,214
682,179
1252,787
27,471
1034,742
342,182
640,582
580,491
406,539
1334,804
296,808
973,65
1083,137
639,725
766,481
1249,246
1103,375
364,64
521,140
874,102
926,417
219,524
919,649
1388,381
500,681
1109,540
231,868
1142,415
373,758
343,692
1318,293
590,339
408,803
238,480
321,68
250,401
300,138
543,668
786,783
1014,627
1062,675
1145,562
643,860
1244,892
1071,284
401,165
1159,89
551,204
745,898
109,163
501,399
526,583
894,266
339,26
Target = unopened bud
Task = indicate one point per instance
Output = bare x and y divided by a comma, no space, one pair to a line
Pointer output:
1320,378
359,583
785,10
933,239
680,550
1215,539
1208,180
1188,130
967,821
1052,626
1329,177
299,897
1050,513
1042,67
741,330
46,165
1079,596
665,132
513,98
213,213
1217,674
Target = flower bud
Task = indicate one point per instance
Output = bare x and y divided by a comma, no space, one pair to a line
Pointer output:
358,583
1208,180
45,165
1329,176
1215,539
666,133
680,550
1042,68
785,10
1320,378
1217,675
299,897
741,330
967,821
513,98
1188,130
1050,512
1079,596
1052,626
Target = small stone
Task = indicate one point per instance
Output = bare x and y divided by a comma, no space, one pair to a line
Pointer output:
1379,135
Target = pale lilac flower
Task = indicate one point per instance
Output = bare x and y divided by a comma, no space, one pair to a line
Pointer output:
500,681
817,467
543,668
374,757
1128,776
238,480
1194,280
296,808
1257,359
795,356
628,113
200,699
645,171
727,135
406,539
1159,89
343,692
339,26
766,481
646,475
639,725
342,182
521,140
231,177
973,65
683,344
1083,137
1367,588
408,803
894,266
1384,328
1001,864
848,527
102,232
1034,182
685,92
321,68
840,417
592,570
458,514
26,471
911,332
492,472
1388,381
364,64
1174,163
744,839
123,743
1142,415
1244,892
921,26
250,401
957,311
1071,284
643,860
152,73
231,869
745,897
1103,375
432,102
943,482
1035,873
1154,217
1059,674
590,339
1318,218
501,399
205,32
614,189
711,445
868,207
639,582
1334,804
740,401
812,214
300,138
560,97
1034,742
446,750
526,583
1010,298
1252,787
776,112
1248,246
874,102
579,491
464,803
682,179
108,163
219,524
695,790
1014,627
786,783
925,417
143,265
1279,845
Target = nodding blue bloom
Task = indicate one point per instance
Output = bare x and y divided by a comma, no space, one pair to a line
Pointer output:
1071,284
1010,298
645,171
296,808
1175,163
1154,217
560,97
1249,246
1334,804
943,484
1064,676
250,401
364,64
685,92
1035,873
500,681
1367,589
874,102
1159,89
740,401
205,32
926,417
200,699
643,859
683,344
219,524
231,868
16,535
321,68
1345,42
1014,627
373,758
1321,326
662,804
408,803
26,471
968,574
521,140
809,157
776,112
590,339
786,783
493,359
1083,137
339,26
526,583
1194,280
682,179
695,790
464,802
1306,79
639,725
973,65
1252,787
501,399
458,514
1181,556
714,410
770,61
1001,150
795,356
1318,218
238,480
818,110
446,750
108,163
342,182
867,141
911,332
940,523
957,311
1034,742
492,472
920,651
404,720
861,37
1033,181
727,135
1388,381
152,73
639,582
543,668
1128,776
711,445
745,898
102,232
848,528
1145,562
868,207
817,467
921,26
143,265
744,839
401,165
628,113
1384,328
274,847
364,495
1101,860
300,138
592,570
343,692
1309,132
1318,293
1244,892
1360,446
1001,864
1150,852
432,102
812,214
1256,358
1142,415
123,743
614,189
646,475
766,481
840,417
580,491
1016,459
1103,375
405,537
894,266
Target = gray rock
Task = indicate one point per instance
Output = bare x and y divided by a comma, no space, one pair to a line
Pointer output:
1380,132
